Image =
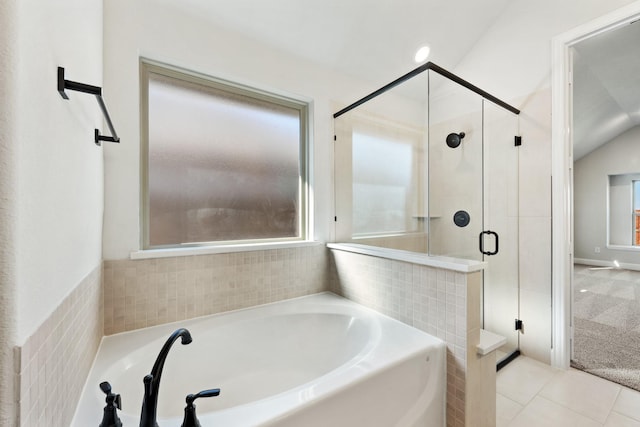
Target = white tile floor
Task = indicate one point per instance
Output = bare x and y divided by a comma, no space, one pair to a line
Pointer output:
532,394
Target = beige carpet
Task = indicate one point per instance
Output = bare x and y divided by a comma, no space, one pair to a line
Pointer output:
607,324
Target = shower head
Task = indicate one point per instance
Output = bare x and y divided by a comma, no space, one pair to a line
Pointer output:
454,139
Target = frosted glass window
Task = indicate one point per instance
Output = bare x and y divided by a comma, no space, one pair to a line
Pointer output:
223,164
382,184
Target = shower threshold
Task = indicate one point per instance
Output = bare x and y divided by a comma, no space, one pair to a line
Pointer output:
507,359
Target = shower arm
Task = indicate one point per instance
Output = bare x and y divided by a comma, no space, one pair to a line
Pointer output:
64,84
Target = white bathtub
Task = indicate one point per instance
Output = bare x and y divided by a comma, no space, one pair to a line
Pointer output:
319,360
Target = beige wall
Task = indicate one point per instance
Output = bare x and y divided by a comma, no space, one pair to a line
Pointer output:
590,197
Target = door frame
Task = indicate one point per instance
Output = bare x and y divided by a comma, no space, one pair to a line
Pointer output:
562,174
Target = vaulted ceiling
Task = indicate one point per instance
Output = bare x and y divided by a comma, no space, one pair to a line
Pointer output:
371,40
375,41
606,90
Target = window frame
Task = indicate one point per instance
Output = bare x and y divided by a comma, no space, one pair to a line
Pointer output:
303,105
635,214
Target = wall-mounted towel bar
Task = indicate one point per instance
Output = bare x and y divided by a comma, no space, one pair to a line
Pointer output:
92,90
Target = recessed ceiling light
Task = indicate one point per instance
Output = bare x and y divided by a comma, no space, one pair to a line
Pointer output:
422,54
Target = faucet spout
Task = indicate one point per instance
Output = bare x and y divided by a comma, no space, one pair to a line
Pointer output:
152,381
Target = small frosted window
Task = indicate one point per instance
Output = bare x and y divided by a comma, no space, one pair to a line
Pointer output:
222,165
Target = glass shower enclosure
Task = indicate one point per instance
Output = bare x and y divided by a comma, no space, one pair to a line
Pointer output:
429,164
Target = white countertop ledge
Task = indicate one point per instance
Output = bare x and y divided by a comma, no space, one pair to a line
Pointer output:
489,342
447,263
221,249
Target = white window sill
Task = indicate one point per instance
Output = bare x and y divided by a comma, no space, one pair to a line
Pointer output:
447,263
624,248
207,250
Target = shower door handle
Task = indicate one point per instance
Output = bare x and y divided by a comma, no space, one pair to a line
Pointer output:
481,240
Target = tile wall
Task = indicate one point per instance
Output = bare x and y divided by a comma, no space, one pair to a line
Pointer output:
443,303
54,362
141,293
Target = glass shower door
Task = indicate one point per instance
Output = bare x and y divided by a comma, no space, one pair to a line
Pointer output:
455,169
473,196
501,276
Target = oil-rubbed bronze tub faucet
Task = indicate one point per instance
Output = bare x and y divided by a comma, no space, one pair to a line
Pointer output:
152,381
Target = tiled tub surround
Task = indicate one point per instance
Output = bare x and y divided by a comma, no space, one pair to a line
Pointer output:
141,293
443,303
149,292
54,362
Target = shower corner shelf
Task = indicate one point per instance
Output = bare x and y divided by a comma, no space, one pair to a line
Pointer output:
423,217
64,84
489,342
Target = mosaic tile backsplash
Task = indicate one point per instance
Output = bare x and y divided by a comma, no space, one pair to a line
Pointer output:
141,293
53,364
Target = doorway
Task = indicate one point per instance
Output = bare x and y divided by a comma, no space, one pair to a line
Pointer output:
563,210
606,164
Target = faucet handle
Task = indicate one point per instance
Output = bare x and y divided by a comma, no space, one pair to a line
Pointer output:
190,419
105,387
204,393
110,416
112,399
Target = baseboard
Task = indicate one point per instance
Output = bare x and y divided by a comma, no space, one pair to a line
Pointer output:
600,263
